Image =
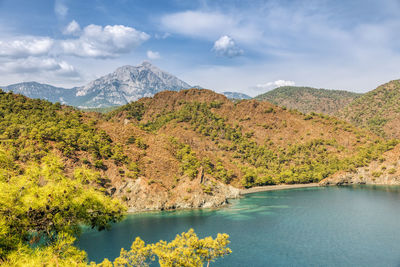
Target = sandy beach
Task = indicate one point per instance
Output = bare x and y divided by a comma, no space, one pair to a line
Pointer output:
275,187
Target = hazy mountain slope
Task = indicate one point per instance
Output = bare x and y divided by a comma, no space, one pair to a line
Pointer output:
307,99
377,110
42,91
236,95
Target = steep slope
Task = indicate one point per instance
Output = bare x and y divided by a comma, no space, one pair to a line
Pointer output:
36,133
201,139
377,110
236,95
126,84
307,99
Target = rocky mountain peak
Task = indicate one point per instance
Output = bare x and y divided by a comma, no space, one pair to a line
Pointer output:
127,83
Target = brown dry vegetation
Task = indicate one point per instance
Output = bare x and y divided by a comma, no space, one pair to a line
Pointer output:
317,140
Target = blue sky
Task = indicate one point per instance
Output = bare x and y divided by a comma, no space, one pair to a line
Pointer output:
243,46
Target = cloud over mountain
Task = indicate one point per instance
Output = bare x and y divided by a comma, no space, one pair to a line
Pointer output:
43,56
25,46
104,42
278,83
226,46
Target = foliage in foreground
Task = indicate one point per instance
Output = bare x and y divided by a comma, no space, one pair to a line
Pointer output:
185,250
39,205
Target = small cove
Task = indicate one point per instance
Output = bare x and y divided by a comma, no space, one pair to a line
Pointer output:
319,226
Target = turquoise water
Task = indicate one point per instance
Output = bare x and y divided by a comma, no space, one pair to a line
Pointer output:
329,226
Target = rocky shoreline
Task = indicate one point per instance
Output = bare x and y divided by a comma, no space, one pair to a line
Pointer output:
361,177
222,194
144,198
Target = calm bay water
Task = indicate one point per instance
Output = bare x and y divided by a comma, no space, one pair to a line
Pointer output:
328,226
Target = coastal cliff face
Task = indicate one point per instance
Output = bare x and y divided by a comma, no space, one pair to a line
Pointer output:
384,171
187,195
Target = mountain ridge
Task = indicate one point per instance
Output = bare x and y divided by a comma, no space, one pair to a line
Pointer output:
309,99
127,83
378,110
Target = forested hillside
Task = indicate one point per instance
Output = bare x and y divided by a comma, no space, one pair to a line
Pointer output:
308,99
245,144
377,110
179,149
58,172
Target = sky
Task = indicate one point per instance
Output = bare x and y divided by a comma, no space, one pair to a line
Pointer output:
225,45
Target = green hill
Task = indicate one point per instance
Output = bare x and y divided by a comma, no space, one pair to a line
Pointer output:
308,99
377,110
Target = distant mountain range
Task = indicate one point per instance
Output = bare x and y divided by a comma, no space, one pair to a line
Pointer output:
308,99
43,91
126,84
236,95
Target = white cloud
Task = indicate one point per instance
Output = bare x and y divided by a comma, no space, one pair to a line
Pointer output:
278,83
40,69
72,28
25,46
60,8
36,65
153,54
226,46
110,41
49,60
